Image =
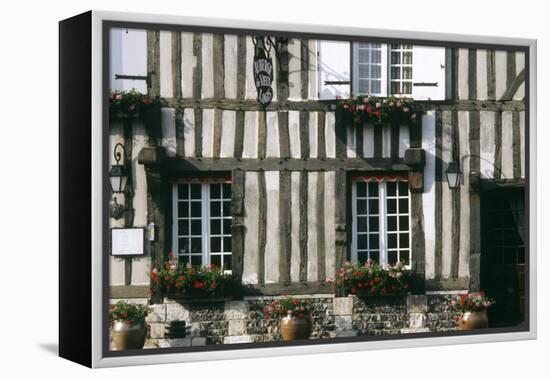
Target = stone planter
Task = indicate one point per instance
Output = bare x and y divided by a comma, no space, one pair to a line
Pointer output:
295,328
129,336
473,320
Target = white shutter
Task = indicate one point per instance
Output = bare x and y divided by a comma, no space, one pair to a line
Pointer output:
334,69
428,73
128,56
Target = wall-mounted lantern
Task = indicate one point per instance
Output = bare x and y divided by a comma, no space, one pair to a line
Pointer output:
119,176
454,174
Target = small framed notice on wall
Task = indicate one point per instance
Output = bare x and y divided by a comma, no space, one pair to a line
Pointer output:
127,241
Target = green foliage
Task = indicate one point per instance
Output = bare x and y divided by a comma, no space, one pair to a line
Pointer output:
377,110
128,313
469,302
131,102
372,279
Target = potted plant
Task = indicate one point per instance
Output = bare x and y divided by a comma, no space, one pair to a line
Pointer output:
470,310
128,326
372,279
294,315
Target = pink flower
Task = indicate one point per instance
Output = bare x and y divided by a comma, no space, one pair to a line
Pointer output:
413,116
406,109
378,105
118,97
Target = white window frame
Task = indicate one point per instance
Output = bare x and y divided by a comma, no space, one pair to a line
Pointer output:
383,69
401,50
382,223
205,220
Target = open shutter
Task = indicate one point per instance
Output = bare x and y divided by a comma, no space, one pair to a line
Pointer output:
334,69
128,57
428,73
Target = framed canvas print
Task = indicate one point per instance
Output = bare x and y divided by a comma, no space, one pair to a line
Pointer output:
232,189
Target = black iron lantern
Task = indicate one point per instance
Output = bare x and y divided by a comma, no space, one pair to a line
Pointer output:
453,173
118,175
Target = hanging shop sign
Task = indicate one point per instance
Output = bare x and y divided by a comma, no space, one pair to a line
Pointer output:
263,70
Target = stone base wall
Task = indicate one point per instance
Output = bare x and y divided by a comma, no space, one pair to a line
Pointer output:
242,321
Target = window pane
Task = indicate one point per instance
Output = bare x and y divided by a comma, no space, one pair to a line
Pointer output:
216,260
361,189
362,207
183,191
392,240
403,240
363,86
215,209
227,226
376,56
373,206
362,257
392,206
404,223
361,224
392,257
373,224
363,55
183,209
392,223
403,205
375,86
196,260
373,189
395,57
215,191
196,209
394,46
403,188
395,73
183,246
375,71
184,260
196,227
363,71
391,189
227,244
395,87
215,227
183,227
226,191
408,57
374,242
407,73
375,256
376,46
404,256
362,242
196,245
407,87
226,208
195,191
227,262
215,244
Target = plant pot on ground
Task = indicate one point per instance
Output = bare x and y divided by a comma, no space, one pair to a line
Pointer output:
128,325
294,315
470,310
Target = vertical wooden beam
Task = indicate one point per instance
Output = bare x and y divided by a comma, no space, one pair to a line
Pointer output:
285,227
262,134
456,200
237,225
439,181
241,66
176,64
217,133
472,74
491,75
262,226
394,139
341,135
418,251
303,225
304,72
180,132
198,132
320,218
516,143
219,64
304,134
128,216
498,145
510,69
359,139
341,201
284,137
239,134
475,209
455,73
321,144
153,61
197,70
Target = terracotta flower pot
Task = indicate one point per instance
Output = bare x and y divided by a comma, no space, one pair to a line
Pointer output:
473,320
129,336
295,328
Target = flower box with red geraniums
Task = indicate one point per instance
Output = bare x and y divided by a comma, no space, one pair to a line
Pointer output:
288,306
372,279
132,103
377,110
174,279
469,302
128,313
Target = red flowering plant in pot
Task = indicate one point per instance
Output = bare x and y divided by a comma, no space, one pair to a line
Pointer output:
294,315
470,310
372,279
181,280
128,326
377,110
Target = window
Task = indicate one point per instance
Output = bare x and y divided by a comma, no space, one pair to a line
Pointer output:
380,219
381,69
202,222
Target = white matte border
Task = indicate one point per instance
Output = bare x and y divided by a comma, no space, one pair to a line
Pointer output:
97,188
